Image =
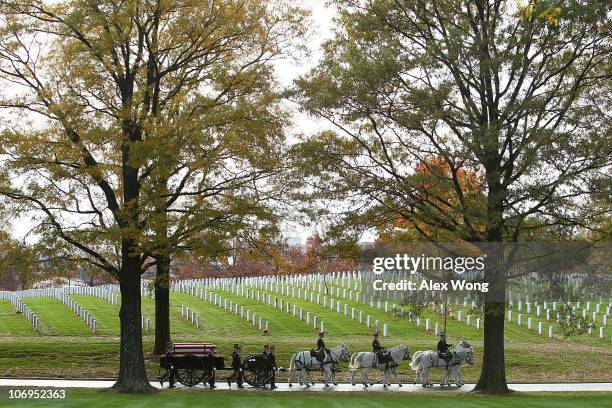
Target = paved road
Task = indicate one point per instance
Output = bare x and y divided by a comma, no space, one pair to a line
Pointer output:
539,387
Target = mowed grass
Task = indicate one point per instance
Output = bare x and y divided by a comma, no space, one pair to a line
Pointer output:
285,324
13,323
266,399
105,313
528,357
56,319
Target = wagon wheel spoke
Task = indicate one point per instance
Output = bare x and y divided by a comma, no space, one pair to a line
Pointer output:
190,370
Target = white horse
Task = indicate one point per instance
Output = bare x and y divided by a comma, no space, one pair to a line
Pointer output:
304,361
423,361
368,360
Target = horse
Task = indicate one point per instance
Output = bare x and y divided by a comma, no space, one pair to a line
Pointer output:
303,361
423,361
369,360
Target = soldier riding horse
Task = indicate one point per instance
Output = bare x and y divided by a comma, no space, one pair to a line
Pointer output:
387,362
423,361
307,360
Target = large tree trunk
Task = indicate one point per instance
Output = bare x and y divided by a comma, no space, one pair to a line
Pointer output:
162,304
132,373
493,375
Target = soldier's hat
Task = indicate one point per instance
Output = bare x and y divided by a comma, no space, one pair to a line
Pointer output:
236,346
442,333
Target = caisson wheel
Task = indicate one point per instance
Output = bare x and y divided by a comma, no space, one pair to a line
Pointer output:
256,370
190,370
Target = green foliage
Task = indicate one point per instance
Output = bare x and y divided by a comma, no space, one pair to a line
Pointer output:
161,123
514,101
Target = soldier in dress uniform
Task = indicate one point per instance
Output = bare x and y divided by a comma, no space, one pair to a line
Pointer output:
211,364
443,349
272,364
169,365
321,349
376,347
237,366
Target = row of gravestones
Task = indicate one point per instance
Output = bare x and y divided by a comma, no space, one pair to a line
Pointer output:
263,297
303,315
218,301
63,295
249,292
333,305
22,308
586,312
65,299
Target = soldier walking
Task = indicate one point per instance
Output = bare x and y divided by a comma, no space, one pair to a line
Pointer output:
169,365
272,364
237,366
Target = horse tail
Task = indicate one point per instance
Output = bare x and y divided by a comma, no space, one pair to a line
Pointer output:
292,363
356,360
416,360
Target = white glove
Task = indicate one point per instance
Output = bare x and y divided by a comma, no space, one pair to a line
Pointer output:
240,369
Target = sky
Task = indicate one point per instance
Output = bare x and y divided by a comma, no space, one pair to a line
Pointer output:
287,70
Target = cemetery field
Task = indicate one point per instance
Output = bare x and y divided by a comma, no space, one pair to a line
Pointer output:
74,333
265,399
97,356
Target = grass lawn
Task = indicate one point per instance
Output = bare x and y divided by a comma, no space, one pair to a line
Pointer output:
266,399
56,318
67,348
13,323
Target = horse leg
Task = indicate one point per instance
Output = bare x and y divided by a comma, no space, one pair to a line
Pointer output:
399,383
458,378
353,376
385,377
310,378
425,376
326,375
366,371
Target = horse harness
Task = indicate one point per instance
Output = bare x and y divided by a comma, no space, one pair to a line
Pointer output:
383,357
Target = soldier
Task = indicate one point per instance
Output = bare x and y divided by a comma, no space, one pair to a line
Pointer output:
169,366
272,363
237,366
443,349
376,347
321,349
211,364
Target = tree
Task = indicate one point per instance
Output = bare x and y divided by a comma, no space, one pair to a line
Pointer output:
18,263
103,95
486,89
